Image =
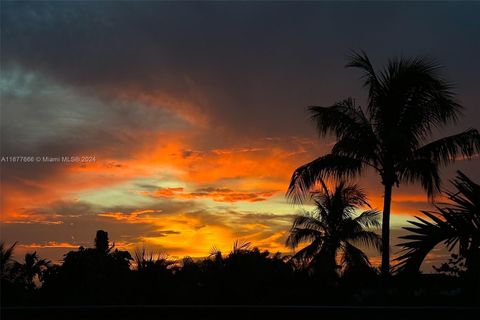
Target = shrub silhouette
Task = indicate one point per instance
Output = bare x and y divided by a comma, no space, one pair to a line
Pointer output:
91,275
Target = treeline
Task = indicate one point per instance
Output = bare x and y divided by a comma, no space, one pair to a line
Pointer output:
105,275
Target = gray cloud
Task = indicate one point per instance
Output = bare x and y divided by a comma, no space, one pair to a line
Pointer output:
249,66
44,118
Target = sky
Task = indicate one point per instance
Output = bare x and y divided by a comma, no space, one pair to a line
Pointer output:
191,117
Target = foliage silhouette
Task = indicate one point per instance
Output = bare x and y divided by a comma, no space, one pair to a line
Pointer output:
454,223
32,267
6,259
454,267
101,242
407,100
152,272
94,273
332,230
246,275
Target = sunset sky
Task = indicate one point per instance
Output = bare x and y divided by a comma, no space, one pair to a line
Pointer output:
195,114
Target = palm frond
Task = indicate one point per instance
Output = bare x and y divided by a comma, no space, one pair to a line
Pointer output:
446,150
367,238
423,170
307,176
299,235
369,219
308,221
353,196
342,119
424,238
361,61
361,147
455,223
308,252
240,246
467,198
353,258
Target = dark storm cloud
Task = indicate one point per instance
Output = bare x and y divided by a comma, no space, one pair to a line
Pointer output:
253,66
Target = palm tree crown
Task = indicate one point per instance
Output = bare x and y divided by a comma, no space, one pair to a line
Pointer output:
32,267
332,230
406,102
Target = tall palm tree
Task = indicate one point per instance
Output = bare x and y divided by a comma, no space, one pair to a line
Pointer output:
406,102
452,224
333,229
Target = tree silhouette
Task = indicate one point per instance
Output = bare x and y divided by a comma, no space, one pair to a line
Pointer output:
247,275
101,241
333,229
406,101
145,261
151,272
6,260
452,224
92,275
32,267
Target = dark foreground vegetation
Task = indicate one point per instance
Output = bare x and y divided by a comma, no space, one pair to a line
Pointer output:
103,282
245,276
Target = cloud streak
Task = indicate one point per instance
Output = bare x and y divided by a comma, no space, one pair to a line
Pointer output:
216,194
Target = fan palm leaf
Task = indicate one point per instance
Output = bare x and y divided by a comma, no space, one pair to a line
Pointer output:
453,223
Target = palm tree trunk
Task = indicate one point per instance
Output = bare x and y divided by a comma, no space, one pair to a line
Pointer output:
387,201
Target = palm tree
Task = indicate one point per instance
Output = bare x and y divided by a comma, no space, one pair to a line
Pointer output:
147,261
452,224
33,266
406,102
333,229
6,259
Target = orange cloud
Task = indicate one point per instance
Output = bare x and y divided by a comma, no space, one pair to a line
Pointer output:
216,194
49,244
